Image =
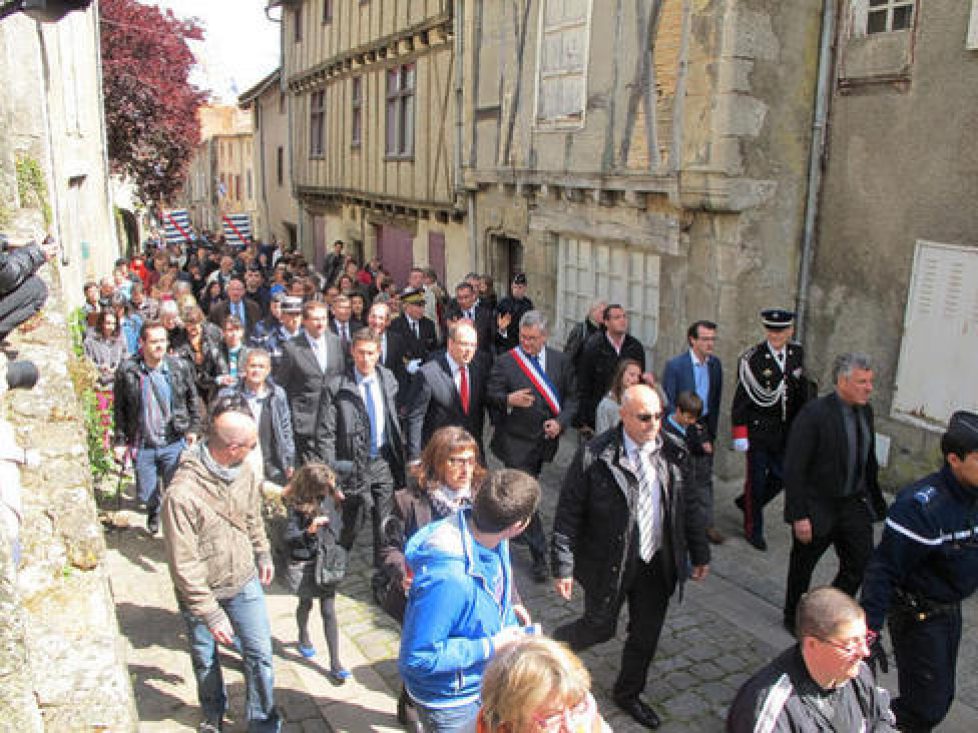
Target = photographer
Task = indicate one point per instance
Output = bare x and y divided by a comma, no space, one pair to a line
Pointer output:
22,293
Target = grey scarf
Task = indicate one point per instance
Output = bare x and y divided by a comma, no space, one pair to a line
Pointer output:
226,474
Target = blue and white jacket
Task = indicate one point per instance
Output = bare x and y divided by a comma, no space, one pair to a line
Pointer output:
452,614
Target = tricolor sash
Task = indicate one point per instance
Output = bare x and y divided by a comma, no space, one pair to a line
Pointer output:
538,378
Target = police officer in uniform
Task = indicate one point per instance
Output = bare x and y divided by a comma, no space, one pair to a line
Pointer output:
509,313
771,388
924,566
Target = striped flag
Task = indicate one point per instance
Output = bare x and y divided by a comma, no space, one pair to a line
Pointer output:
237,229
176,226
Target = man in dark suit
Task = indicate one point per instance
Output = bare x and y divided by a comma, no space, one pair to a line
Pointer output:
393,350
247,310
700,372
602,352
771,389
342,323
448,390
831,490
509,314
419,332
359,436
308,362
624,531
533,392
483,318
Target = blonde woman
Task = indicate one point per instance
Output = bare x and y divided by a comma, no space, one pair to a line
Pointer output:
538,685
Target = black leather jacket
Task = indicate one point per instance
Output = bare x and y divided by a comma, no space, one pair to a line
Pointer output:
185,407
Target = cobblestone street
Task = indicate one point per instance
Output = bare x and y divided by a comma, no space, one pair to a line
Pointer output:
725,628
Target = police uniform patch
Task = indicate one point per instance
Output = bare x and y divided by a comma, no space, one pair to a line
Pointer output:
925,495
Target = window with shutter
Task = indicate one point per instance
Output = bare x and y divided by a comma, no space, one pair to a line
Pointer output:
562,62
935,374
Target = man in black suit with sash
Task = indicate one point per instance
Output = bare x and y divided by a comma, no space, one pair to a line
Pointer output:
448,390
309,360
533,392
831,490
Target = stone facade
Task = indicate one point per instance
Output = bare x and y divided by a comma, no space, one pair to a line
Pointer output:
277,210
52,122
900,175
668,175
221,177
61,662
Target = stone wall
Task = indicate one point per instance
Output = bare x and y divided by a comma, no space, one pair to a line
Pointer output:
62,665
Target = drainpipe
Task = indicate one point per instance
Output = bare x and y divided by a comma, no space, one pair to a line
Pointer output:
459,22
822,96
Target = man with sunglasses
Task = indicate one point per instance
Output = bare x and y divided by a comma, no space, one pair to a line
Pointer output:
621,530
925,565
821,683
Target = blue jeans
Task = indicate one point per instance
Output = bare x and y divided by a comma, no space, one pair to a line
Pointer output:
448,720
149,464
249,618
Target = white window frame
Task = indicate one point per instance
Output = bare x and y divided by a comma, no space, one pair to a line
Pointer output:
564,121
861,11
972,43
935,372
620,273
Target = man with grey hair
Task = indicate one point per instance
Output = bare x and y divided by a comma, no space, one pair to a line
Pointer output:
832,495
821,683
532,394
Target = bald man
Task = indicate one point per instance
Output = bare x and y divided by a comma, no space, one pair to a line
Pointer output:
621,530
219,560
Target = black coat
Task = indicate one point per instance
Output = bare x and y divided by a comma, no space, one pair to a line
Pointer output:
343,431
435,403
597,368
395,357
421,346
816,461
127,407
767,427
518,437
595,529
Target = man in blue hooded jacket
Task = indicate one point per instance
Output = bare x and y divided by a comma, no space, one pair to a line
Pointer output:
460,607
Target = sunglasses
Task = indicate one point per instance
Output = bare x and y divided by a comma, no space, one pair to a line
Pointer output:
648,417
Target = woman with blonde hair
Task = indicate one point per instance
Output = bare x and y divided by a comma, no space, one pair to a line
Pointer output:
538,684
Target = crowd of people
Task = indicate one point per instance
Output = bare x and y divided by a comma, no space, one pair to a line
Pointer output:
234,372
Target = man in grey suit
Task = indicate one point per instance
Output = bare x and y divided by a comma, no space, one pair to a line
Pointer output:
309,360
533,393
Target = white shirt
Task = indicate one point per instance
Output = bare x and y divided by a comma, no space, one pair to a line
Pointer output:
373,384
457,373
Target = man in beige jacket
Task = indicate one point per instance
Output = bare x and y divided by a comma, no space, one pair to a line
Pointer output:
219,558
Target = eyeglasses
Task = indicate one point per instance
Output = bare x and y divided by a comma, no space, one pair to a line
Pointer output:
568,719
457,461
649,416
853,646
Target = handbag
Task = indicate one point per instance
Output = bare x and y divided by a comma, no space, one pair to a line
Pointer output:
330,559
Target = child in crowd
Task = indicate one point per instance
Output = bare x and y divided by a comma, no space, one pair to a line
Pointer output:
314,519
684,426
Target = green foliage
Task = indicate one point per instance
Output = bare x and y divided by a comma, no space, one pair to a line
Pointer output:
32,188
5,215
84,378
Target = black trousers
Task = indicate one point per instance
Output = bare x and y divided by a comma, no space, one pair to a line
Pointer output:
647,588
851,536
376,498
926,655
536,539
21,303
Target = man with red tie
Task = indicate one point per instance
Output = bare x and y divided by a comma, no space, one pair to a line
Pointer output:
449,390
